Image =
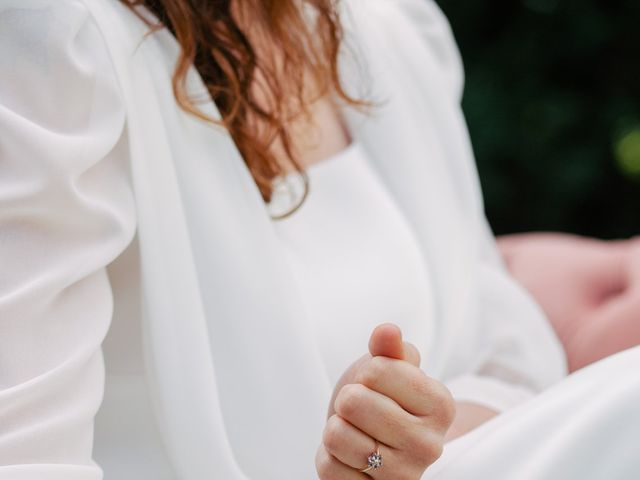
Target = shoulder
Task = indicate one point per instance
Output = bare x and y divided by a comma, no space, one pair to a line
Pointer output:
434,30
37,20
34,34
61,106
419,34
42,31
55,63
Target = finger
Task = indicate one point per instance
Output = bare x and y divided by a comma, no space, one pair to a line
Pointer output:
347,377
347,443
377,415
411,354
354,447
410,387
386,340
330,468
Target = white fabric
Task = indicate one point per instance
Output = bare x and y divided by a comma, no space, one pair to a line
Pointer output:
121,214
355,259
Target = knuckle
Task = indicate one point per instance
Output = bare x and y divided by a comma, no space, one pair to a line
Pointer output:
446,406
428,448
372,371
442,404
413,353
325,466
419,384
350,399
333,434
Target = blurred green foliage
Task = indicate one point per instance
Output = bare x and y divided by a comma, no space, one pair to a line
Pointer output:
552,101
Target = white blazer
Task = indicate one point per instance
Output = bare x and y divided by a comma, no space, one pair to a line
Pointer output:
118,209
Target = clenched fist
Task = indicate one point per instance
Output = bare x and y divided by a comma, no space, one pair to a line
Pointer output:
384,400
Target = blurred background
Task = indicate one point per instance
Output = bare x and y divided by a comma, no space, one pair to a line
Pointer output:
552,101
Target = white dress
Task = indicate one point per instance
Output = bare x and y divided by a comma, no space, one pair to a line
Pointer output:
355,259
152,322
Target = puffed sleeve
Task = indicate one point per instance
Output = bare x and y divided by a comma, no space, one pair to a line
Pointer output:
66,212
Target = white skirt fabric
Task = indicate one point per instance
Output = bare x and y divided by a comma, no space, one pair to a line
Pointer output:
585,427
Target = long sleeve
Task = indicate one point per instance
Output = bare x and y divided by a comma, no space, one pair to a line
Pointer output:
521,355
503,347
66,211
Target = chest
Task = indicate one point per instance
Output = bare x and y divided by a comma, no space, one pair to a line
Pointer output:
355,260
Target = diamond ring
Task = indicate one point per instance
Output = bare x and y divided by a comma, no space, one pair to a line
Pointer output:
374,461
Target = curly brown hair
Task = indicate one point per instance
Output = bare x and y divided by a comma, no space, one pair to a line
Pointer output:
222,39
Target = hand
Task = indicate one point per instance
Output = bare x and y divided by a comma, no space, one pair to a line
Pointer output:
589,289
385,396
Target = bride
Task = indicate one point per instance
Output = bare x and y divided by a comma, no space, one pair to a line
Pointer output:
245,240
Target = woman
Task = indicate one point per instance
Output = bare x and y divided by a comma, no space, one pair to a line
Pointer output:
228,320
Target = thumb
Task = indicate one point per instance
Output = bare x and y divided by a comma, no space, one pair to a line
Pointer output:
386,341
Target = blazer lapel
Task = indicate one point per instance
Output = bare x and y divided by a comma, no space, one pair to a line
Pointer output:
230,359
